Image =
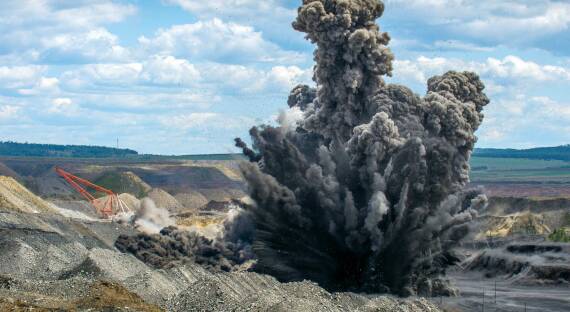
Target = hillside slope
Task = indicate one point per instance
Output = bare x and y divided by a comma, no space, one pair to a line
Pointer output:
50,263
15,197
124,182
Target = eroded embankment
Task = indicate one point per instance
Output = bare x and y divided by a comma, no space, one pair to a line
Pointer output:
48,262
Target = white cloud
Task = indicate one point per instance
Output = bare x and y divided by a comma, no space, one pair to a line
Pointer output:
492,134
206,120
62,14
286,77
271,17
45,85
62,102
195,81
143,101
242,6
246,79
522,120
420,69
515,116
161,85
157,70
12,77
8,111
517,68
510,67
217,41
553,18
96,45
187,121
61,105
91,75
170,71
56,31
459,45
255,12
506,22
550,110
164,85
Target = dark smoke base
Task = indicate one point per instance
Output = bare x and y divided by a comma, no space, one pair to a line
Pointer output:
368,192
171,247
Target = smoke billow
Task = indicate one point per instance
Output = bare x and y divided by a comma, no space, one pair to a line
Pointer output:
535,263
172,246
151,219
367,190
146,217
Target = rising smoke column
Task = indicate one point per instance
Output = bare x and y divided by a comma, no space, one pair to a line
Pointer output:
367,191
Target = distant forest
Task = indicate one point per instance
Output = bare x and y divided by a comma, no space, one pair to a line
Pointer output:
545,153
64,151
14,149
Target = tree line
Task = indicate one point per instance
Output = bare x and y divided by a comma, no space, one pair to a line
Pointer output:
51,150
546,153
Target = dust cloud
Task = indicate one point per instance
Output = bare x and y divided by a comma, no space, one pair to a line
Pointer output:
365,191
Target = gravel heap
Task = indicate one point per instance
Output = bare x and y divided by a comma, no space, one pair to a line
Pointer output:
15,197
192,200
162,199
131,201
533,263
53,262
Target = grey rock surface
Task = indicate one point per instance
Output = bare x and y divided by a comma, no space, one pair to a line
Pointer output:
48,256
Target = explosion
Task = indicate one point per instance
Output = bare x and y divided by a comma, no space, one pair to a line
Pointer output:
363,185
367,191
172,246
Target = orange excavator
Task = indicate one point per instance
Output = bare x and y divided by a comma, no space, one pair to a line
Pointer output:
107,206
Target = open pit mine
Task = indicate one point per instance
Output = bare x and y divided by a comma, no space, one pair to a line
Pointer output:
359,200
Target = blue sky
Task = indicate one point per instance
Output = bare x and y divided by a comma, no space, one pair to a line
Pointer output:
187,76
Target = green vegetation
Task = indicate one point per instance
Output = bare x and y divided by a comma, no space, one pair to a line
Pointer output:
191,157
484,160
122,182
489,169
547,153
561,235
14,149
491,163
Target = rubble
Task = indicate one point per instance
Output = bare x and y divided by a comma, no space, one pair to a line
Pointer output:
52,262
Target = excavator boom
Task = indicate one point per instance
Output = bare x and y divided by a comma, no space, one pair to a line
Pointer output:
105,208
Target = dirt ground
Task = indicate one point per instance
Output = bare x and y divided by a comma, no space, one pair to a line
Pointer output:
102,296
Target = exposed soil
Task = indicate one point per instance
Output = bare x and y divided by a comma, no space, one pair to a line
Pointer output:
526,189
192,183
15,197
509,205
101,296
53,262
518,223
164,200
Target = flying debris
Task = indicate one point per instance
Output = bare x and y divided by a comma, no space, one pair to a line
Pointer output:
229,251
367,191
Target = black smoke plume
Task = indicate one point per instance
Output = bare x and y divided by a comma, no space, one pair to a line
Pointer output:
173,246
367,191
249,153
